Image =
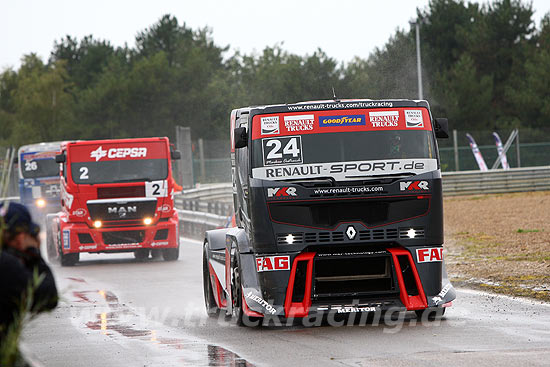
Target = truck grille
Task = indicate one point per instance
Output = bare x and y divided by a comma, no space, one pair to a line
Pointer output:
121,192
340,237
121,210
352,276
123,237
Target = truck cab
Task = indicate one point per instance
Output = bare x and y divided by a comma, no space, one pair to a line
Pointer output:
338,206
39,186
116,196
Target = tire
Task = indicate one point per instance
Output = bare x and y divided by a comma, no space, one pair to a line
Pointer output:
236,291
430,313
141,254
69,259
156,254
212,309
171,254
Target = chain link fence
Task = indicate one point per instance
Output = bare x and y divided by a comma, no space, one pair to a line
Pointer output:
533,150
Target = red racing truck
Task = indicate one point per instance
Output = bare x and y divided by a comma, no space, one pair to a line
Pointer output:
116,196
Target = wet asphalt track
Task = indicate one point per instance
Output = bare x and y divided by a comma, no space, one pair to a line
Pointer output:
118,312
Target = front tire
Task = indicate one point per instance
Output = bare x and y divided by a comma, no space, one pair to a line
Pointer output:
69,259
171,254
210,304
430,313
141,254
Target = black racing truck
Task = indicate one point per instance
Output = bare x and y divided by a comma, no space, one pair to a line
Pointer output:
338,208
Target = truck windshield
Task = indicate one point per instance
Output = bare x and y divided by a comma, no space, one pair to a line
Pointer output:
114,171
37,168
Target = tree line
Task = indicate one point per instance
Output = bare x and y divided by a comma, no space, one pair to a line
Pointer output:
484,67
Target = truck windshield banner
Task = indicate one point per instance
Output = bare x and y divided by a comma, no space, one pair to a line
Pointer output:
316,122
118,151
342,171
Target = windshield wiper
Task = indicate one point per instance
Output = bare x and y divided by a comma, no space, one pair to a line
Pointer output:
132,180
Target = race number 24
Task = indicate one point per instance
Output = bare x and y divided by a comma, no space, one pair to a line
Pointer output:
283,150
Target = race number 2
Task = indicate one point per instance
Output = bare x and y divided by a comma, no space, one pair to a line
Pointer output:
283,150
156,188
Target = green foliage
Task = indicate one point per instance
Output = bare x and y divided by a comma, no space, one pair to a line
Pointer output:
484,67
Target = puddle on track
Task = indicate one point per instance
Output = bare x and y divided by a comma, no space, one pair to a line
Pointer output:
119,322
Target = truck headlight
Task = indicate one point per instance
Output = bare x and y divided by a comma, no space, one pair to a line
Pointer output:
97,224
40,203
147,221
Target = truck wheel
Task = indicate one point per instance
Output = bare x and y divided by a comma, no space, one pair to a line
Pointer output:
241,318
141,254
236,291
69,259
171,254
210,304
430,313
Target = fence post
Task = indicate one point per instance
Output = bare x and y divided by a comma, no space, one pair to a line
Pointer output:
201,158
455,146
517,149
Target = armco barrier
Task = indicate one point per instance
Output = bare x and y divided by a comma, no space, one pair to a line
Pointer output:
496,181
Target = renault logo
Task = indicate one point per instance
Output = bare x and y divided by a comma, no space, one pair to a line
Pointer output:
351,232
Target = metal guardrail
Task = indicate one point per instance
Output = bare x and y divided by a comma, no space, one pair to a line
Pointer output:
496,181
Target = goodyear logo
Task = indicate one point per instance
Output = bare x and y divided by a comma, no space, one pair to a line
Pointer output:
345,120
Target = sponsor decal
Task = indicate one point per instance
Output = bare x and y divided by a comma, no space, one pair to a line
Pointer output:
344,120
122,211
270,125
439,298
162,243
164,208
66,239
413,118
123,245
299,123
66,197
351,232
384,118
413,186
272,263
347,170
359,253
262,302
118,153
348,190
337,105
350,309
426,255
80,212
87,247
281,192
283,150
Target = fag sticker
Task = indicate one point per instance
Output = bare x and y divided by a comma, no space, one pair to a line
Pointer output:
272,263
156,188
284,150
427,255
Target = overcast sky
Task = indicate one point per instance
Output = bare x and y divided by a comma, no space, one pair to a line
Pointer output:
343,28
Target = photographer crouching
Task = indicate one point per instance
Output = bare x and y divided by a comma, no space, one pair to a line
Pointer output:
27,285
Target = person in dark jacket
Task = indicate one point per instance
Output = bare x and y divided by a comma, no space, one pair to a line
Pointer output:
20,266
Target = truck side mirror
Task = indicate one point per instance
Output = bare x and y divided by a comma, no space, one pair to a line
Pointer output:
442,128
175,155
241,137
60,158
